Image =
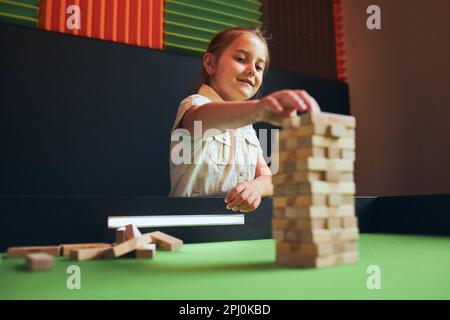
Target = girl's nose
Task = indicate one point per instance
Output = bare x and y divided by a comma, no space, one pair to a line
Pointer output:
251,70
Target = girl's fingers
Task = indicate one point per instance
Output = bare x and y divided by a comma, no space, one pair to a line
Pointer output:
290,100
248,202
234,192
311,103
252,206
275,106
241,198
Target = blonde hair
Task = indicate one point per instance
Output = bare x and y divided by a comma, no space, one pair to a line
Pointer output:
223,39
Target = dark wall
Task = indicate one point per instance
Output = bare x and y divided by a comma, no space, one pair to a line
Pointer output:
302,36
87,117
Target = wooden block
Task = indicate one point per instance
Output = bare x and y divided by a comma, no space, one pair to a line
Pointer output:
307,212
88,254
131,232
334,200
309,236
327,118
333,153
278,235
309,200
292,122
298,224
312,261
299,176
147,251
332,176
279,202
321,164
300,154
66,248
349,222
166,241
305,130
340,131
321,187
17,252
301,201
348,154
338,176
311,169
290,259
340,235
344,210
278,212
40,261
333,223
321,249
320,142
345,246
120,235
127,246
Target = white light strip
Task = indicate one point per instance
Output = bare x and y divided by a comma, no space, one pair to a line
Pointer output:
176,220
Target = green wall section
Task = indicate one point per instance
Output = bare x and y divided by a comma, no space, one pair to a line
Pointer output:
21,12
189,25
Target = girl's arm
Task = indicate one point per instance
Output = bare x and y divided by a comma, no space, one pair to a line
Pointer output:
221,116
263,177
231,115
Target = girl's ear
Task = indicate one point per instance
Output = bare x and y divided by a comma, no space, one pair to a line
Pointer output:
208,63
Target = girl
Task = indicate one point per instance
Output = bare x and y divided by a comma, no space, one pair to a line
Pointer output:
218,123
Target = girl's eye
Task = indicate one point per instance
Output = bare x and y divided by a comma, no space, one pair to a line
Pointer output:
240,59
259,68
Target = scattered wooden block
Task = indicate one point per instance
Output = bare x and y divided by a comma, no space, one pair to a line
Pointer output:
127,246
147,251
166,241
131,232
120,235
66,248
18,252
39,261
88,254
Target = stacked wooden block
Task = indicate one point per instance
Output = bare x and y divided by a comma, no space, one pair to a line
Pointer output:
314,222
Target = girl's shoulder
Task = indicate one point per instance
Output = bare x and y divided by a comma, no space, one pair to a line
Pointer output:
194,100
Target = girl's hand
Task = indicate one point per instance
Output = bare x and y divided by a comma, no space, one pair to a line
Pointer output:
245,197
284,104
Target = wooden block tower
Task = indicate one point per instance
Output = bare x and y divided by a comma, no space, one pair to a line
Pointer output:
314,222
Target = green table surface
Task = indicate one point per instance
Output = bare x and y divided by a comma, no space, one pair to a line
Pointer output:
412,267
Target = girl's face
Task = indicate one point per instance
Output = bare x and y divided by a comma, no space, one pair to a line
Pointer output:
238,74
